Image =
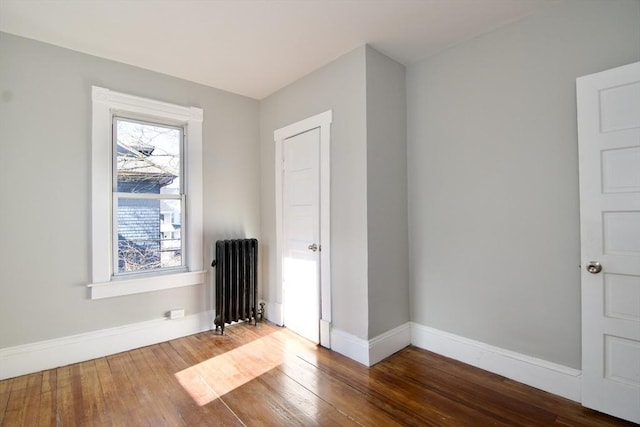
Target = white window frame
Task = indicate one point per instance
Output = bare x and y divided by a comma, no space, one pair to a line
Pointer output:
107,103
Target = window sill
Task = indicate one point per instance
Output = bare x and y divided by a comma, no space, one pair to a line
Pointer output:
118,288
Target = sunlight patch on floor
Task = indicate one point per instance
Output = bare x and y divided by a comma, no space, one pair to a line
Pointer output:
215,377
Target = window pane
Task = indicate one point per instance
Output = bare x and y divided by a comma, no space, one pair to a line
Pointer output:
148,158
149,234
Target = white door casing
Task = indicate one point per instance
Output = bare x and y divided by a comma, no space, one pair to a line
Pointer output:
609,147
314,127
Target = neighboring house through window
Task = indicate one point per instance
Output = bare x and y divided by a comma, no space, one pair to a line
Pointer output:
146,195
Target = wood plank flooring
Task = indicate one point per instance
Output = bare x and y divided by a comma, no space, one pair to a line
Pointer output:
268,376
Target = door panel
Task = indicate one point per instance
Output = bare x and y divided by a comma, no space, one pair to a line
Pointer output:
301,228
619,107
621,294
621,232
618,172
609,145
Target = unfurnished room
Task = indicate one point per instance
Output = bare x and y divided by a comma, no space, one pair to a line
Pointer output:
319,212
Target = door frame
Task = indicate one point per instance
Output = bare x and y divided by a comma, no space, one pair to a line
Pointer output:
323,122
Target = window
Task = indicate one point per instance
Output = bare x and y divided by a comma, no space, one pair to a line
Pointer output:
146,195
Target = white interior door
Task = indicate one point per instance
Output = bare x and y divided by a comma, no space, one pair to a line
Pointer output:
301,228
609,143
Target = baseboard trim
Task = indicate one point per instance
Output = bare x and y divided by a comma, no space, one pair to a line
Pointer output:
35,357
544,375
538,373
376,349
388,343
350,345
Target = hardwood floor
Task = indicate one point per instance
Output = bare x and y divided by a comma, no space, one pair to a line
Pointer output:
267,376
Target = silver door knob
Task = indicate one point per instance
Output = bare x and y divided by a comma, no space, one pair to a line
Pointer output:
594,267
313,247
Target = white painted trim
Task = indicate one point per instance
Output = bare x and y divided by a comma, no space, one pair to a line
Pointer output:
146,284
303,125
349,345
325,331
553,378
101,186
376,349
274,313
35,357
322,121
279,236
105,104
325,229
388,343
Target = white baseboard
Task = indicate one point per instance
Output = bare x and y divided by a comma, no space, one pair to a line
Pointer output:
384,345
553,378
538,373
34,357
376,349
350,345
274,313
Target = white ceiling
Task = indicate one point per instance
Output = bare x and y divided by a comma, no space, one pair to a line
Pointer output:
255,47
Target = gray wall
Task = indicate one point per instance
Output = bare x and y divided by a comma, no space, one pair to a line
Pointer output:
45,137
369,278
339,86
493,177
388,246
492,182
